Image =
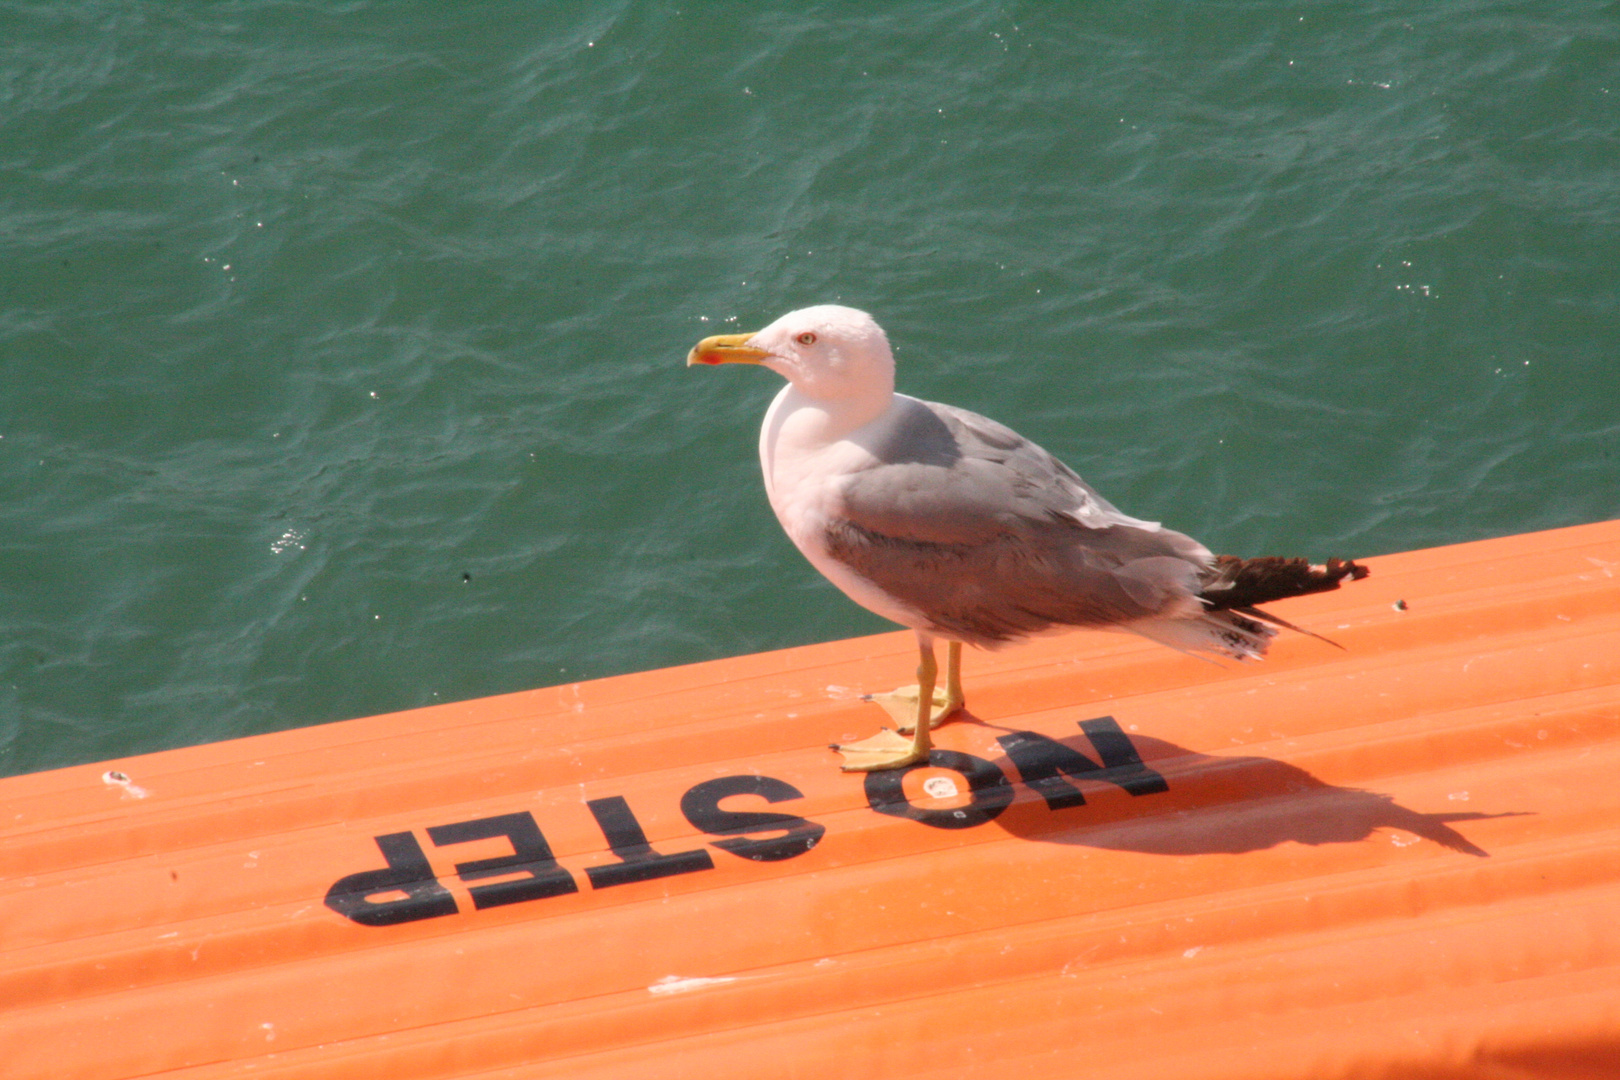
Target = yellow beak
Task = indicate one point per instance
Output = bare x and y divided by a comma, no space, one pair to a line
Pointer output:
725,349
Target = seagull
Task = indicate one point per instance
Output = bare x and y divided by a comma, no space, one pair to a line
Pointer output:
958,527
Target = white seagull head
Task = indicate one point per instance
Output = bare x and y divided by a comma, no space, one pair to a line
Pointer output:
828,352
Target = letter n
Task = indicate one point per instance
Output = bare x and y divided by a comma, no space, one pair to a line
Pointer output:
1043,762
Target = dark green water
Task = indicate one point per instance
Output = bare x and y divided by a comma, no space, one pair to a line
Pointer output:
341,344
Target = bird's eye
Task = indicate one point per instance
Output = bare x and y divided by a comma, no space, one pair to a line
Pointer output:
806,338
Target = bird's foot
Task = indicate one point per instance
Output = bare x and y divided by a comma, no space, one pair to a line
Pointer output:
902,705
885,750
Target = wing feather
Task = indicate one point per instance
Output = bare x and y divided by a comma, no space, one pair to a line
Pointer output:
992,538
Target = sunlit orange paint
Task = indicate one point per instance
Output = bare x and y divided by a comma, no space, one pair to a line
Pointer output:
1394,860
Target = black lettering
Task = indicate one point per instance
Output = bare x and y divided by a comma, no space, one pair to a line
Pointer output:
701,805
1043,762
407,872
531,855
637,860
990,790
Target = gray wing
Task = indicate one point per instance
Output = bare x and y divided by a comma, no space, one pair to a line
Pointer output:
991,538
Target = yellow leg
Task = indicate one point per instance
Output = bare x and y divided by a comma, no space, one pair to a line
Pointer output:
889,749
902,703
954,698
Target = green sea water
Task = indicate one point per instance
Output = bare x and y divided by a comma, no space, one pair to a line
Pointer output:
341,344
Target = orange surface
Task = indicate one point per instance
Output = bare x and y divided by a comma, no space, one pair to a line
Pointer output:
1397,860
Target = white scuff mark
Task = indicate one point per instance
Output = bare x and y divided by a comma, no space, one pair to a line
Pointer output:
842,693
1192,952
132,790
1079,965
269,1031
940,787
1400,840
1458,796
674,984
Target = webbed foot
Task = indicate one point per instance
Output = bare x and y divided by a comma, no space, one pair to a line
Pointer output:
886,750
902,705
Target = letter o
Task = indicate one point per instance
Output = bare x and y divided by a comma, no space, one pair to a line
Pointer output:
988,786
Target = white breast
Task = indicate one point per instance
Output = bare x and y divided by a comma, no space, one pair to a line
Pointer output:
804,455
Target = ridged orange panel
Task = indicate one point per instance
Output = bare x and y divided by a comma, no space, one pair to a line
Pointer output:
1398,859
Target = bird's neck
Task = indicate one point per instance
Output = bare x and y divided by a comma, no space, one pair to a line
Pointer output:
798,428
812,422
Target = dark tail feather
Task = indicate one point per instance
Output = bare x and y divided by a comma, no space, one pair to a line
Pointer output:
1241,584
1278,620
